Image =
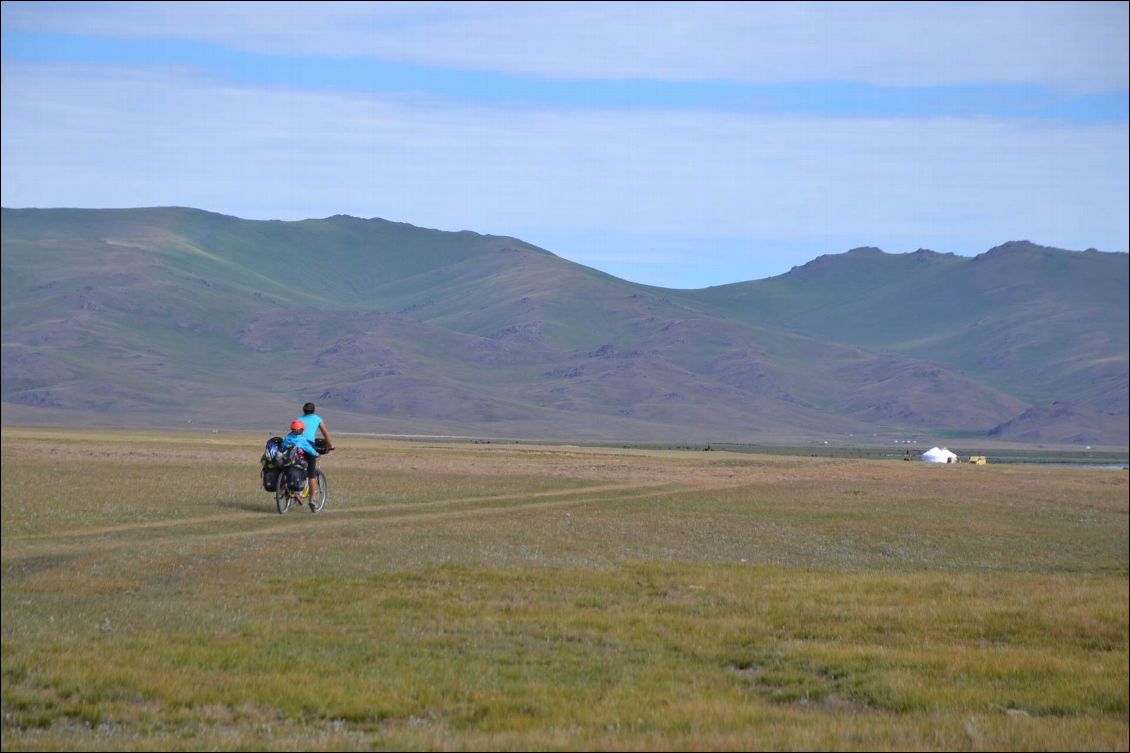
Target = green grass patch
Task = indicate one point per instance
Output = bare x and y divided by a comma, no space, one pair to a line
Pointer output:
646,652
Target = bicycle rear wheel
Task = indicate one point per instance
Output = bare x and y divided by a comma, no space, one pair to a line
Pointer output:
318,501
282,495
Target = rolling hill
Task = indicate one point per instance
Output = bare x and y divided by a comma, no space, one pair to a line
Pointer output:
172,316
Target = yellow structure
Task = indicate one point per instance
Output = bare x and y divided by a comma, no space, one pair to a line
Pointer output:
978,460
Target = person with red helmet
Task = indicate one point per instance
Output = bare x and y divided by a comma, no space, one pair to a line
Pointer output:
297,438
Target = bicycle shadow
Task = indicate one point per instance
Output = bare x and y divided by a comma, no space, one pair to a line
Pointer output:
246,506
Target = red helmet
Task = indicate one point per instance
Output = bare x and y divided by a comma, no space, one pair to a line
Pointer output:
297,425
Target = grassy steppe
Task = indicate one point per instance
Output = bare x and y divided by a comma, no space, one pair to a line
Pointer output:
514,597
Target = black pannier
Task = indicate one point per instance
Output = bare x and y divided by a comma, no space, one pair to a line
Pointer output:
271,476
296,477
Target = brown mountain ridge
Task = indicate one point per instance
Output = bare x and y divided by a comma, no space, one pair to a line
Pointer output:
166,316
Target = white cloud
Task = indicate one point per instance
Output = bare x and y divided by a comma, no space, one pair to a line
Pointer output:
93,137
1079,46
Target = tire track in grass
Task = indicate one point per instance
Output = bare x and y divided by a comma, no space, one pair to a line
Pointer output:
269,510
72,543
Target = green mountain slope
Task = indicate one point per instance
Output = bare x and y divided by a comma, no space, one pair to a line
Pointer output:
169,315
1043,324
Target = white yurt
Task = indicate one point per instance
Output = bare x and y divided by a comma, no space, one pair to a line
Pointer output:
939,455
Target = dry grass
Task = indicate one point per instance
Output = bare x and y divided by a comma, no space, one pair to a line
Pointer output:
509,597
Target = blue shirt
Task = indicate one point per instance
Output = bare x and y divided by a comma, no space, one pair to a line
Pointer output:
312,421
301,442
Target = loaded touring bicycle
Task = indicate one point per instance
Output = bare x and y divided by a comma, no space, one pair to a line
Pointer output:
284,473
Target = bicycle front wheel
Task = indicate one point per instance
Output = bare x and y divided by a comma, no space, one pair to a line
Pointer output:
318,501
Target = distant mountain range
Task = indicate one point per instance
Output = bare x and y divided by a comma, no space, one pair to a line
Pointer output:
179,317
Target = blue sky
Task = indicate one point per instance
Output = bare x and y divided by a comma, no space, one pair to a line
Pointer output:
678,144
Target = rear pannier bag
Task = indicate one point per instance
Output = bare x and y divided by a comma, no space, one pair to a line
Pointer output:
271,476
296,477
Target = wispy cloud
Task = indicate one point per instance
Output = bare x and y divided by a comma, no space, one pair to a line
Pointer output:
657,171
1074,45
489,88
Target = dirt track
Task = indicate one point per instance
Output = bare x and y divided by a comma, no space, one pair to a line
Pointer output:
84,541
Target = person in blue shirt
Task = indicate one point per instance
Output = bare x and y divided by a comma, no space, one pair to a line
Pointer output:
297,438
313,424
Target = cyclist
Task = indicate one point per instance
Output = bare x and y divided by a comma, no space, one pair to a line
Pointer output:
314,423
297,438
